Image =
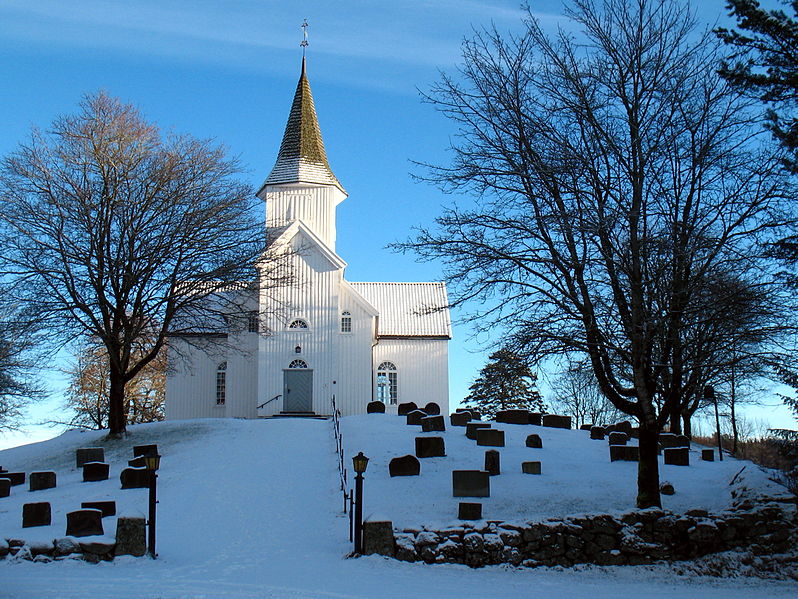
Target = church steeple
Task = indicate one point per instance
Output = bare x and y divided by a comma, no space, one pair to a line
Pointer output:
302,158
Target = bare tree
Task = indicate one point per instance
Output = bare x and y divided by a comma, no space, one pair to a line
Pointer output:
115,232
576,393
18,361
614,172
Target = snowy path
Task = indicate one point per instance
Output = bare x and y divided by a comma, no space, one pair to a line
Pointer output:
251,509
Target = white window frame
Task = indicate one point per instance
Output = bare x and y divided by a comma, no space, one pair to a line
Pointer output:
387,383
221,384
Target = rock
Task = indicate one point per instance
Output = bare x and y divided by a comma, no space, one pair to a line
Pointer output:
88,454
405,408
470,483
473,542
39,481
432,423
378,538
513,416
493,542
555,421
84,523
624,453
677,456
469,511
460,418
98,547
473,427
405,548
95,471
3,547
432,409
530,467
493,462
430,447
597,433
708,455
375,407
36,514
490,437
108,508
407,465
65,546
42,559
135,478
618,438
666,488
5,487
415,416
534,441
145,450
41,548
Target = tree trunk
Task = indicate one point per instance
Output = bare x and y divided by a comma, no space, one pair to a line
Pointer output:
675,421
116,403
648,467
688,424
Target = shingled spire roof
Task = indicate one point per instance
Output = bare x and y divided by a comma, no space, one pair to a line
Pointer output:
302,158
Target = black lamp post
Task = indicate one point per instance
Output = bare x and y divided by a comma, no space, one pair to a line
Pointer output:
359,462
153,462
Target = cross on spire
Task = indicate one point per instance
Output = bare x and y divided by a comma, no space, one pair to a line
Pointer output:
304,42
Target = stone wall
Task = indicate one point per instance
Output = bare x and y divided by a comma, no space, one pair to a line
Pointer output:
639,537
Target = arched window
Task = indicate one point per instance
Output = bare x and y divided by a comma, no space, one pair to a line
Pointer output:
298,324
298,364
346,322
387,383
221,383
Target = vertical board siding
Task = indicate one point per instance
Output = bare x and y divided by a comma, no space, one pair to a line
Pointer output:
423,370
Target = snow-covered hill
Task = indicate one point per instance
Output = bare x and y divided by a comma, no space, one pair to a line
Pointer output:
252,509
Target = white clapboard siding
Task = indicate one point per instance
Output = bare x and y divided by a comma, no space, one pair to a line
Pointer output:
423,369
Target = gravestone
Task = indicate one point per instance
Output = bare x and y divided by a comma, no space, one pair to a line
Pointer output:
534,441
708,455
415,416
5,487
635,434
530,467
108,508
36,514
490,437
677,456
432,409
535,418
430,447
88,454
378,537
492,462
618,438
555,421
513,416
135,478
624,426
432,423
469,511
683,441
475,414
375,407
666,488
405,408
144,450
597,433
4,470
609,429
39,481
95,471
459,418
473,427
131,536
624,453
470,483
139,462
407,465
585,427
15,478
84,523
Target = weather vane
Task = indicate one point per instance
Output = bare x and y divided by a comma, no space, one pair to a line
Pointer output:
304,42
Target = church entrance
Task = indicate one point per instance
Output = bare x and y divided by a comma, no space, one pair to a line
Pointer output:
297,390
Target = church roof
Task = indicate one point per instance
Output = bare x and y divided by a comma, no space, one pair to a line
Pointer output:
409,309
302,158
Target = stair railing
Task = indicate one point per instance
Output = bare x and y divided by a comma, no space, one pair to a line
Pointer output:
268,401
339,449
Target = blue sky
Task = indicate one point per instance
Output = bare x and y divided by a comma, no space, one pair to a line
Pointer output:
227,70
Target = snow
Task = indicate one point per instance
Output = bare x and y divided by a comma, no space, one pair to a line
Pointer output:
251,508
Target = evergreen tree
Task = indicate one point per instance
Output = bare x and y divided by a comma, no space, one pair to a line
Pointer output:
506,382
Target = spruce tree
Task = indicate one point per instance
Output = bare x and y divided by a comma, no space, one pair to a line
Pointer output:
506,382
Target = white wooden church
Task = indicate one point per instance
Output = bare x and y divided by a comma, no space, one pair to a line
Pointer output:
321,336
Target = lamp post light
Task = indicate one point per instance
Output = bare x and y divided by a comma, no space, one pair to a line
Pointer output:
360,463
152,462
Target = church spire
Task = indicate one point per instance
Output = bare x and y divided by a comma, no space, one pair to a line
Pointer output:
302,158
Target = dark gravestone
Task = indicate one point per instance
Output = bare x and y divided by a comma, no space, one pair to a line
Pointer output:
378,538
624,426
513,416
635,434
585,427
88,454
433,423
84,523
490,437
597,432
530,467
144,450
475,414
469,511
415,416
406,465
16,478
39,481
708,455
95,471
492,462
534,441
460,418
609,429
108,508
405,408
135,478
473,427
624,453
430,447
677,456
555,421
5,487
36,514
668,440
618,438
139,462
375,407
131,538
535,418
666,488
683,441
432,409
470,483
